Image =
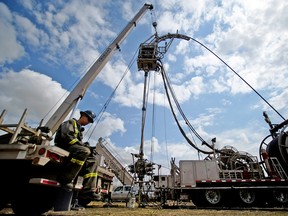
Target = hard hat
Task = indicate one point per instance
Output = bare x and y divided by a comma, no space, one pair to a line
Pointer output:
91,115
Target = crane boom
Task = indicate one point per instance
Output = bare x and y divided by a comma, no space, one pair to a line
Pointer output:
111,161
78,92
37,163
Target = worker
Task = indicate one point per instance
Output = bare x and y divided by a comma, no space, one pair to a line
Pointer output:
80,160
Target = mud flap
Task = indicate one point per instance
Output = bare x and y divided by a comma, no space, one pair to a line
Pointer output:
63,200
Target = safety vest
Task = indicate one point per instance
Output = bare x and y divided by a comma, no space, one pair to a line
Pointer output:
76,132
62,140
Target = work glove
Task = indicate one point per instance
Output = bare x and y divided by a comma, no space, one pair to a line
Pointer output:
86,144
93,151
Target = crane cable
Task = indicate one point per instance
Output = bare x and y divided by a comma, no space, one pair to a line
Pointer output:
238,76
164,76
104,107
178,105
166,86
115,153
165,134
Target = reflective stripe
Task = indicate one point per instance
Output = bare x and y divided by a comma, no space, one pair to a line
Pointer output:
75,133
89,175
79,162
73,141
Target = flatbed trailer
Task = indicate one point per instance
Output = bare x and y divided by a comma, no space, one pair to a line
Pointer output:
206,185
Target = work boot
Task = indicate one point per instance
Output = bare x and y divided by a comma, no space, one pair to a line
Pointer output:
90,196
76,206
95,196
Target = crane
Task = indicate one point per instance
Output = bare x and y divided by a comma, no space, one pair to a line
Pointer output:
29,164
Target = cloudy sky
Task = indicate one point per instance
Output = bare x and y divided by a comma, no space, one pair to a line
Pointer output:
46,46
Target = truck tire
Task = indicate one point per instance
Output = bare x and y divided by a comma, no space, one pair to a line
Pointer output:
279,198
213,197
2,204
4,199
247,197
197,197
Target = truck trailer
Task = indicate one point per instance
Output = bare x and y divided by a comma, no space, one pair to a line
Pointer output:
231,178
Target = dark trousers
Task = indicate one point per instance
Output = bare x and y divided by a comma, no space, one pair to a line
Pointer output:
75,161
88,172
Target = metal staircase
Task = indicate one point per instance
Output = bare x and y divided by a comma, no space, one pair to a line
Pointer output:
278,168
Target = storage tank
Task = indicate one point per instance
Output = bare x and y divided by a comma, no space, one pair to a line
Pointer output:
278,148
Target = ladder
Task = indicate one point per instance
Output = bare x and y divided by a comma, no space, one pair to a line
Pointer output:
278,168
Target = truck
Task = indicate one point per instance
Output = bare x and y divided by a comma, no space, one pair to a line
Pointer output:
108,167
226,177
130,185
29,163
232,178
121,172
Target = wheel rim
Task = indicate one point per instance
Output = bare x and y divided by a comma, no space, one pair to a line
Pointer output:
213,196
247,196
280,196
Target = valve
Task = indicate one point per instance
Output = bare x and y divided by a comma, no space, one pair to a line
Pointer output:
149,168
131,168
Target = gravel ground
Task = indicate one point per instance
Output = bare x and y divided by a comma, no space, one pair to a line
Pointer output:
120,209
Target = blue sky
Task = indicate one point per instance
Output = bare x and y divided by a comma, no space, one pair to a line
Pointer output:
46,46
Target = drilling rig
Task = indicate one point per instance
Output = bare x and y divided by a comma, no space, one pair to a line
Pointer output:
226,172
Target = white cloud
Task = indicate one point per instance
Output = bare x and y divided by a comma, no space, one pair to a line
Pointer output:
242,139
171,57
29,4
167,17
183,47
29,89
60,28
28,31
8,40
180,150
108,125
249,35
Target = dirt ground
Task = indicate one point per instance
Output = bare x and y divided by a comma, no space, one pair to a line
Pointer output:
120,209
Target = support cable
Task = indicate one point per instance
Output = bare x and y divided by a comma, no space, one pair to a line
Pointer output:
239,77
168,83
174,115
104,107
165,134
